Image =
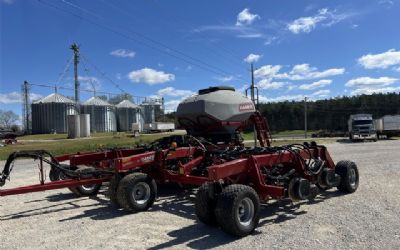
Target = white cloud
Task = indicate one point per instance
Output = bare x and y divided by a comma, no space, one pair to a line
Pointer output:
171,91
7,1
170,106
265,84
324,93
270,40
315,85
252,58
387,3
242,89
298,72
321,93
89,82
267,71
370,91
380,61
239,31
123,53
325,17
398,69
282,98
304,72
354,26
150,76
246,18
225,78
15,97
369,81
250,35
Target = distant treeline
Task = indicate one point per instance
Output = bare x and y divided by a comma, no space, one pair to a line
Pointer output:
329,114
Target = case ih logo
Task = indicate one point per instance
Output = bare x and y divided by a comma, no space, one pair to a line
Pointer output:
246,106
147,158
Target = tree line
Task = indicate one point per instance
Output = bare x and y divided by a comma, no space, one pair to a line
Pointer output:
330,114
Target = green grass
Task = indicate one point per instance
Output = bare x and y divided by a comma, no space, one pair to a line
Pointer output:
286,142
54,145
57,144
288,133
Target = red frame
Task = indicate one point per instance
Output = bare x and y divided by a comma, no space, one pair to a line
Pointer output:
237,171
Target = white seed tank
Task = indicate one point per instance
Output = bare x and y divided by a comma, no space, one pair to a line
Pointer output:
209,113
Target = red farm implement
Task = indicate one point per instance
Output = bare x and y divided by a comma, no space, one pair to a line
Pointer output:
233,179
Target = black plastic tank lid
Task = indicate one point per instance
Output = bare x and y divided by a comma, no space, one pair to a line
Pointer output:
216,88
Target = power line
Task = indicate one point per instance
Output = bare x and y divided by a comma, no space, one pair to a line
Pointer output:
215,52
66,69
103,74
192,61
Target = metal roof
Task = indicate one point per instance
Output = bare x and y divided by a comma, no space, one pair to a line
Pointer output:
96,101
127,104
57,98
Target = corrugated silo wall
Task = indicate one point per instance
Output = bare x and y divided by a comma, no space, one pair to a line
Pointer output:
51,117
152,113
102,118
158,113
125,118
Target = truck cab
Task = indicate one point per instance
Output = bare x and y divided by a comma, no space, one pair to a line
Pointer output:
361,127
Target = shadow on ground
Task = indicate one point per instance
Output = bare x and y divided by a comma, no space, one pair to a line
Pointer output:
174,200
363,141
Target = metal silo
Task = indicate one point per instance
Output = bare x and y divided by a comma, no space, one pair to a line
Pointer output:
102,115
49,115
152,110
127,113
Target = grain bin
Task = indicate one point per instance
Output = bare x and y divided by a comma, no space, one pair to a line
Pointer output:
85,125
102,115
73,126
127,113
49,114
152,110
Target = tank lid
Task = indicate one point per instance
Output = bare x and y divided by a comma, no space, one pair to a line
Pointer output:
55,98
216,88
96,101
127,104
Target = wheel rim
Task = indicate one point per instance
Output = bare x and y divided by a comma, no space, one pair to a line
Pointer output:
141,193
88,187
245,212
352,177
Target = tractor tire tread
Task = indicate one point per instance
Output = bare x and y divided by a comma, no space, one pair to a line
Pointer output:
226,214
123,197
342,168
205,205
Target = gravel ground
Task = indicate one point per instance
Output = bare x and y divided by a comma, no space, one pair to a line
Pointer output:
367,219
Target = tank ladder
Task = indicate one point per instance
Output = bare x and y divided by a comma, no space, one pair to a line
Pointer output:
262,129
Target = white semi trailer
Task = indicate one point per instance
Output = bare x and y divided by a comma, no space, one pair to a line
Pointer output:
159,127
361,127
388,125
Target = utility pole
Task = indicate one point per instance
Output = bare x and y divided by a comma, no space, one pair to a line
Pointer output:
26,112
305,117
75,49
254,102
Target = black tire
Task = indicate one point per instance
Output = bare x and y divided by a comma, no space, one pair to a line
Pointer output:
136,192
112,189
348,172
233,199
55,174
205,205
85,190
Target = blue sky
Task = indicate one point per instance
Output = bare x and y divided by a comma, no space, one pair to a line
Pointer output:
318,49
